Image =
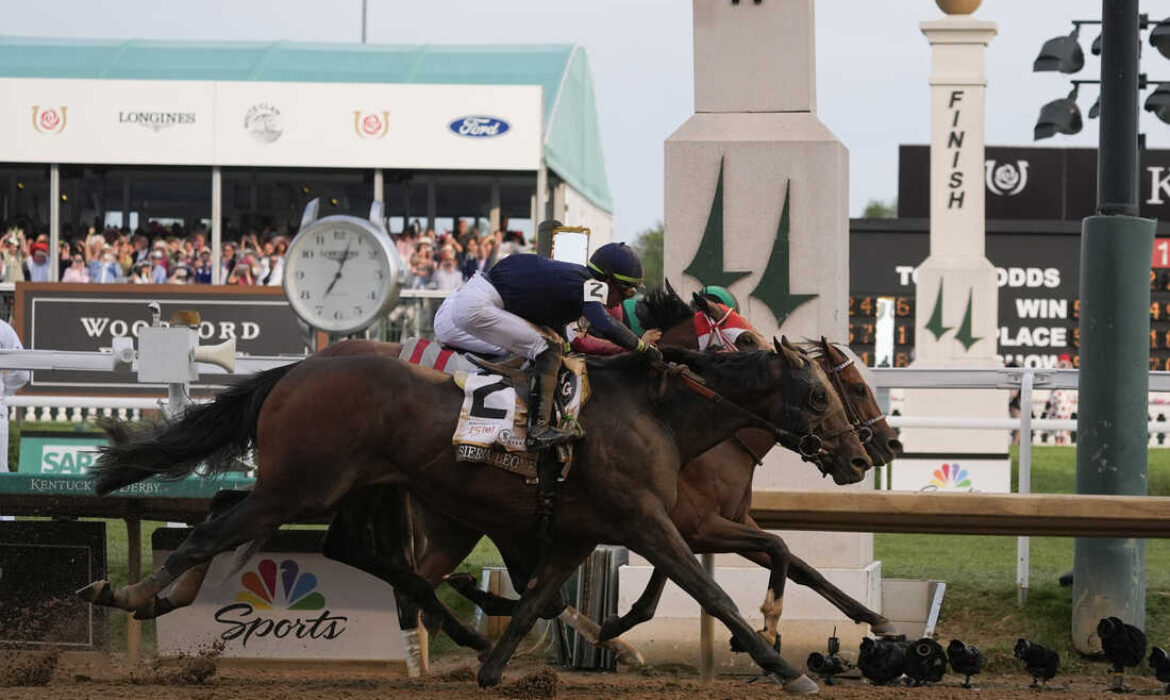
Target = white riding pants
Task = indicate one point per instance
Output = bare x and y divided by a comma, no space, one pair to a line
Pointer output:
474,319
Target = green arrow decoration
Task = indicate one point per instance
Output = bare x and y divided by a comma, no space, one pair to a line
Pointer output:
707,265
935,324
963,335
774,287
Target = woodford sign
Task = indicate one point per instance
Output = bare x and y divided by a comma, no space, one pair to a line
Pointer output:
87,317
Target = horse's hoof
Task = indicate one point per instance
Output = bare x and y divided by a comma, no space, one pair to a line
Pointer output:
461,581
883,628
626,654
488,677
98,593
801,685
147,611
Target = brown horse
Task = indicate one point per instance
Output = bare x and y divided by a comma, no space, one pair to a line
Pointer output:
711,511
330,425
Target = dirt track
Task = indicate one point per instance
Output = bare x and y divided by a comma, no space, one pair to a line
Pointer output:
104,678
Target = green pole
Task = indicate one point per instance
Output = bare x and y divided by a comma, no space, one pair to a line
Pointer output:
1109,575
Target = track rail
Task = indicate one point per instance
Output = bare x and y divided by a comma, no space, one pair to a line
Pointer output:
1055,515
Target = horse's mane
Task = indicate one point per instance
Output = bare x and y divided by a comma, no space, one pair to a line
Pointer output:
745,368
813,348
662,309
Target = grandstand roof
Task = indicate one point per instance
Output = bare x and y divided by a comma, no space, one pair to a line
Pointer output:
572,136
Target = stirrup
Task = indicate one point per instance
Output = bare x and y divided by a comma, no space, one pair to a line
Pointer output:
546,436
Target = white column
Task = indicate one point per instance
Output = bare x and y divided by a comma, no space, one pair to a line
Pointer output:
956,302
54,221
494,205
216,223
541,196
432,205
755,129
379,185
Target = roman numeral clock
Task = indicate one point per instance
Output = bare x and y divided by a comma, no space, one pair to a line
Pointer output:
342,273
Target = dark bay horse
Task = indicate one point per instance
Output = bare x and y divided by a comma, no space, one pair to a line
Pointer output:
329,425
711,511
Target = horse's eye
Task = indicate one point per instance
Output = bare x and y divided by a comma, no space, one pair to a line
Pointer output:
820,399
859,389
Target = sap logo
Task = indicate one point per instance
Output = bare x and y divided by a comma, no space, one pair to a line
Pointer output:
67,459
1028,277
479,127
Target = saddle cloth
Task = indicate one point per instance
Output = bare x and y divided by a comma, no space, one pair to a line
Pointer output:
493,421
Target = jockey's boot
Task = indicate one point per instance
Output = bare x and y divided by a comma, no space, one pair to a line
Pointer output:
542,383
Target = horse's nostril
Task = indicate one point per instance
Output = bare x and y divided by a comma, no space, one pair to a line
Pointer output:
895,446
859,463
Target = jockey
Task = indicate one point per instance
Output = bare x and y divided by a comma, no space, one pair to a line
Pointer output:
495,313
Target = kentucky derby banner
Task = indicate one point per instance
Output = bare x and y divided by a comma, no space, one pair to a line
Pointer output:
87,317
335,125
288,602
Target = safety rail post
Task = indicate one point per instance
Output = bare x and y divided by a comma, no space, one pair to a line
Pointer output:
707,629
1023,553
133,574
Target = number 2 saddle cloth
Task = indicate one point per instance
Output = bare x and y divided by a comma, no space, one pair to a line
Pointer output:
493,421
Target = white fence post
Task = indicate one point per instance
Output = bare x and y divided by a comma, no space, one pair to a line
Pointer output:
1023,553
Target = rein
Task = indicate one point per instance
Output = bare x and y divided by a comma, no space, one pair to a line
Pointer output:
808,445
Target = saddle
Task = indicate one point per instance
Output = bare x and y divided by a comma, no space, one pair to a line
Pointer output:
493,421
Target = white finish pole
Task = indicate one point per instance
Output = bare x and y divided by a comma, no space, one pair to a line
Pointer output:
1023,553
379,185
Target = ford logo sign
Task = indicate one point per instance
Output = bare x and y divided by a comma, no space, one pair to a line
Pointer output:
479,127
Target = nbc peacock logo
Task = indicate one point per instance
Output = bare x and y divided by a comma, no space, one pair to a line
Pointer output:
298,590
950,477
267,604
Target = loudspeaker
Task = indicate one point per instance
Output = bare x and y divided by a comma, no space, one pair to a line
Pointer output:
222,355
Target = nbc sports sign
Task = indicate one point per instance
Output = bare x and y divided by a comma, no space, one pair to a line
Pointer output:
288,602
952,474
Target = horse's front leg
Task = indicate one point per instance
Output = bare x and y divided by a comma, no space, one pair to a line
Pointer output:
802,573
718,534
542,590
655,537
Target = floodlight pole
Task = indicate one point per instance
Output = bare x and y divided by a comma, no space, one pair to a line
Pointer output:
1109,575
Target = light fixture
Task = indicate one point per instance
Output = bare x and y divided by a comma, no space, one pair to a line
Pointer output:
1158,102
1061,54
1095,110
1059,116
1095,49
1160,37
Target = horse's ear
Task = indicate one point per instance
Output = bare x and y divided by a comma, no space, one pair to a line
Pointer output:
700,302
791,355
669,287
828,349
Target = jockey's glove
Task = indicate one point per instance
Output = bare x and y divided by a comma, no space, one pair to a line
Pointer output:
651,353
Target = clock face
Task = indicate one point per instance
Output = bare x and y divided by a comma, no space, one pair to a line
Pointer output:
340,275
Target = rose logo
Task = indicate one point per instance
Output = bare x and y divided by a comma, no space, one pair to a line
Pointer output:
48,120
1006,179
374,125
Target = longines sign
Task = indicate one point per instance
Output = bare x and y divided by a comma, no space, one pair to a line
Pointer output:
88,317
1035,183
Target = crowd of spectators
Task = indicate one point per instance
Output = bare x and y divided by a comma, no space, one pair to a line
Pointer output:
160,255
155,256
448,260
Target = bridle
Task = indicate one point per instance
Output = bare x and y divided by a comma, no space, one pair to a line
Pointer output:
860,425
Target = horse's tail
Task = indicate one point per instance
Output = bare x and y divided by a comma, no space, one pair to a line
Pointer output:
215,433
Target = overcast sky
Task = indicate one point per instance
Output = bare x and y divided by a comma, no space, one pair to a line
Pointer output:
872,64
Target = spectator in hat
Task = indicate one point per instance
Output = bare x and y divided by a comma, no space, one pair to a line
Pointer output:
105,269
141,273
37,268
158,273
12,257
203,267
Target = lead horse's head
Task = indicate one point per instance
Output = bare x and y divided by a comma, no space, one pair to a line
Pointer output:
804,402
861,405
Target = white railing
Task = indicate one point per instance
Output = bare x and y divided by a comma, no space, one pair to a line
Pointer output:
1025,379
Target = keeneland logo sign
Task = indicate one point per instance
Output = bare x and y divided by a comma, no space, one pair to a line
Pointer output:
266,592
1006,179
156,121
49,120
263,122
371,125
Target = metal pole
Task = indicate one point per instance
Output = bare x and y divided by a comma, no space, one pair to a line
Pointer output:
1109,575
1023,553
216,223
363,21
133,573
707,629
54,221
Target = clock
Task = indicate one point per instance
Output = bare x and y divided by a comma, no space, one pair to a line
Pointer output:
342,273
